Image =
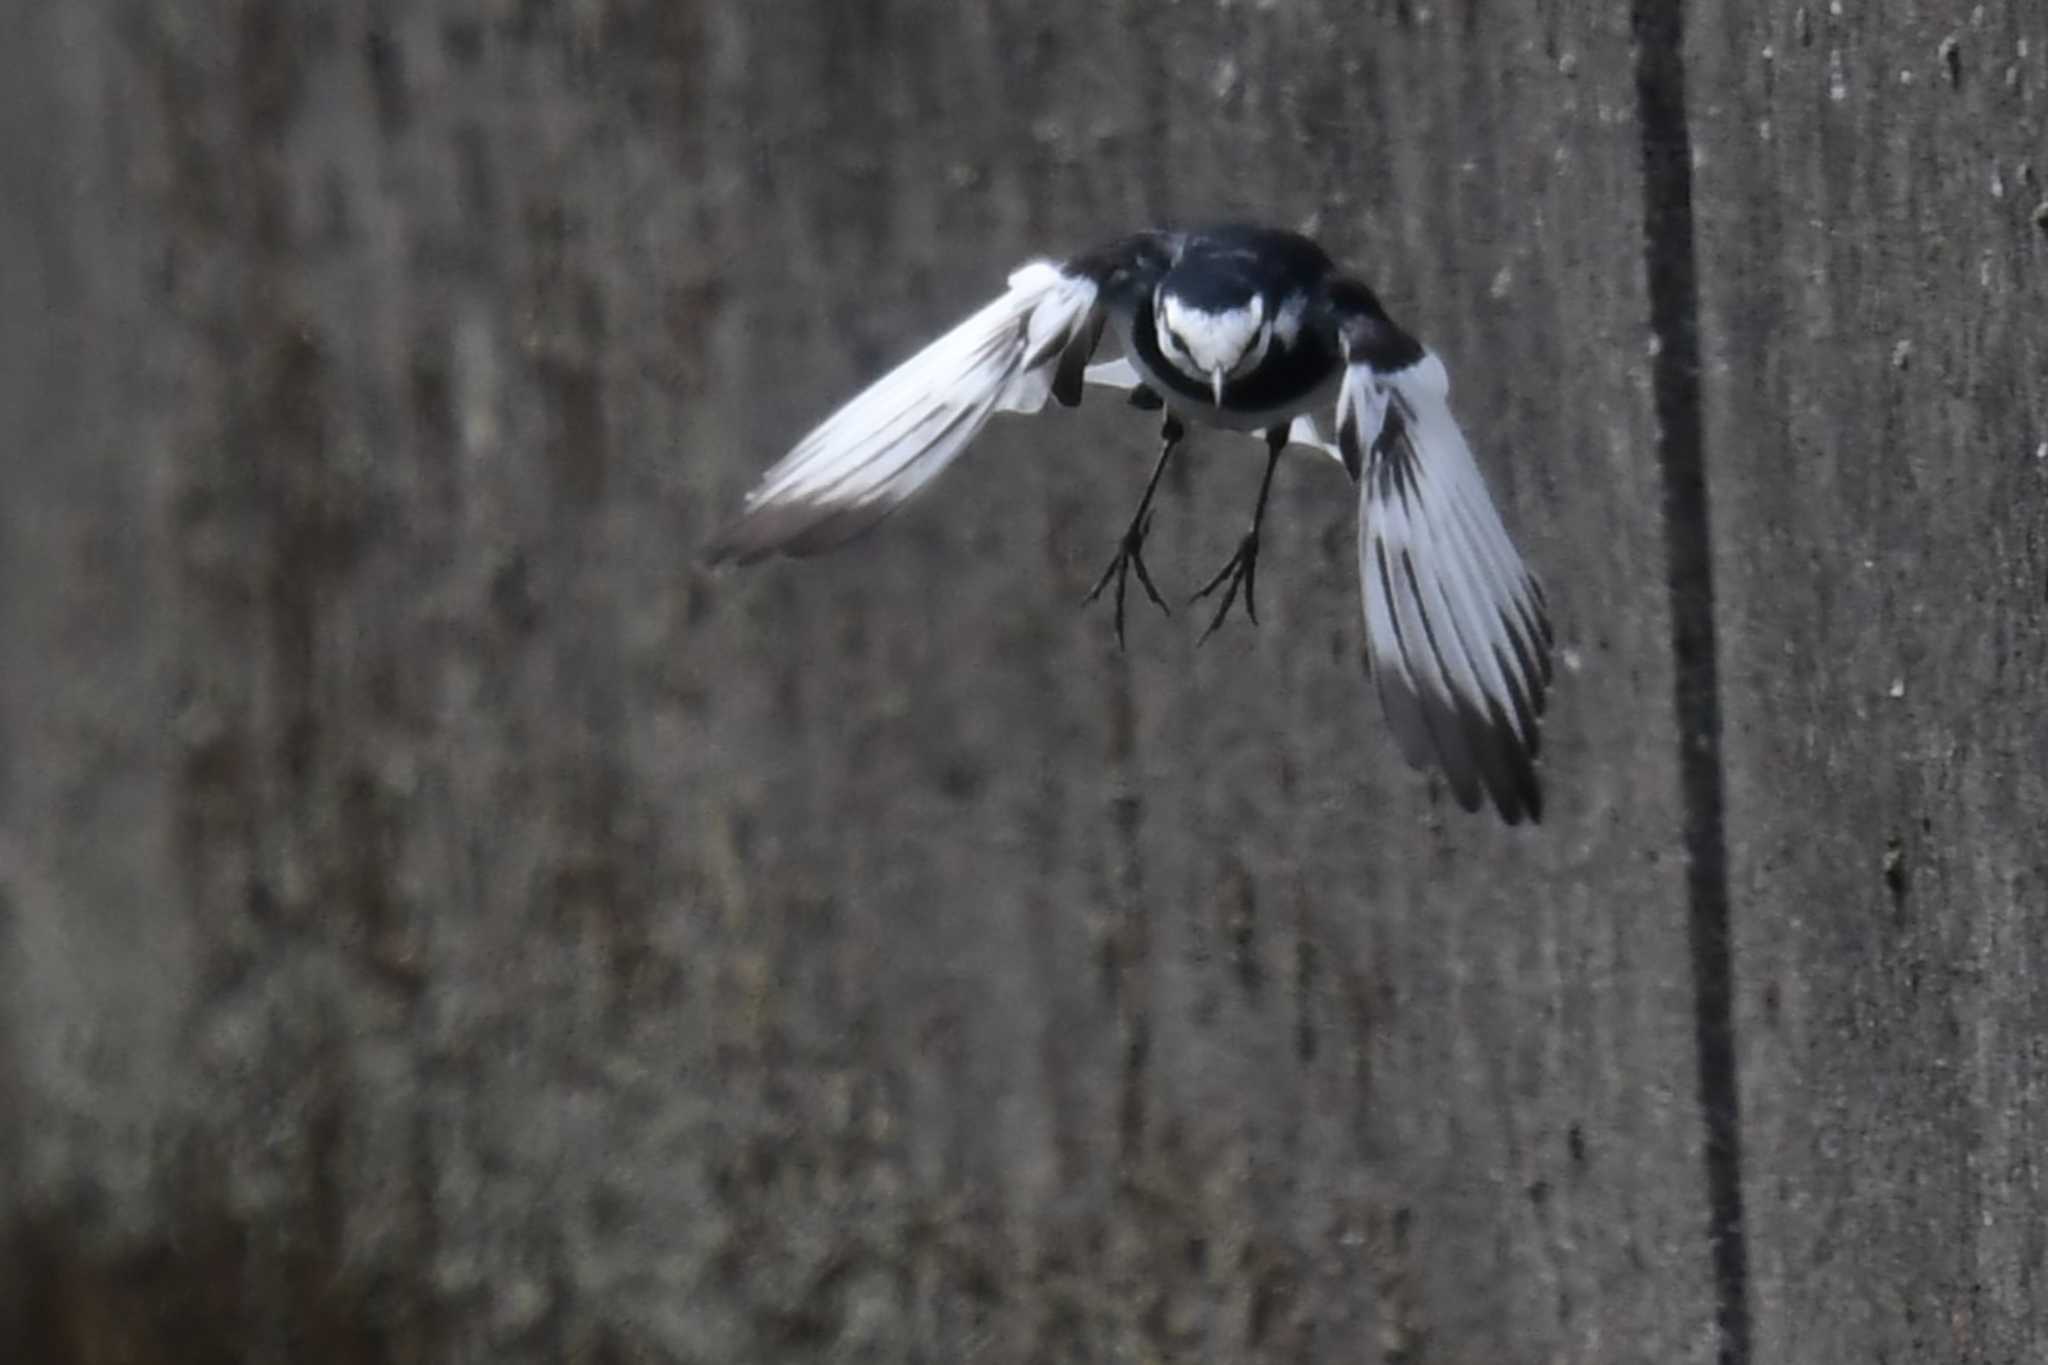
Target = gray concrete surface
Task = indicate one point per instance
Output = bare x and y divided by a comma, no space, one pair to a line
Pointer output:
440,922
1878,391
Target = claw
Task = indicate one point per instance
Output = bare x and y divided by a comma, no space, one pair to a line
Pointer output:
1129,556
1242,569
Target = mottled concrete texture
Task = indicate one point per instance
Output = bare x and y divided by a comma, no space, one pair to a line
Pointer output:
440,922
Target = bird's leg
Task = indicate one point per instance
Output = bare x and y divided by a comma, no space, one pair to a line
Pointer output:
1128,555
1243,566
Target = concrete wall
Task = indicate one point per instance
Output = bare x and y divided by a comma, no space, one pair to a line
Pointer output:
438,921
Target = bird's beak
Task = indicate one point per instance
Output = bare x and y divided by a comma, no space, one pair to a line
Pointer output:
1216,377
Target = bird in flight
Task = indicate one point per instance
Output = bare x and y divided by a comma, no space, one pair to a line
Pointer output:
1254,330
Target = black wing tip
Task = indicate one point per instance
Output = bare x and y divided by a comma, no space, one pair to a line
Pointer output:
745,540
734,545
1516,796
797,528
1524,803
1507,761
1483,764
1505,765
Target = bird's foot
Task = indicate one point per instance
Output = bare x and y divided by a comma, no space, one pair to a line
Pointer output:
1242,569
1129,556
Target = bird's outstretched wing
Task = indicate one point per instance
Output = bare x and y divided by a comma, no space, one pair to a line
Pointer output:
868,458
1456,627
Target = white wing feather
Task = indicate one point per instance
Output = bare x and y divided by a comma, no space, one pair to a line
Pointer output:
1303,431
1456,626
1115,374
893,438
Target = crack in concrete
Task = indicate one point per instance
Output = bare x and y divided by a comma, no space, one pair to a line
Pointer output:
1671,261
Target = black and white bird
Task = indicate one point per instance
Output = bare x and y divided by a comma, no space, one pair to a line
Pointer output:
1250,329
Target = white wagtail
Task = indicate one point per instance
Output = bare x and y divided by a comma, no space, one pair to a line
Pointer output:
1245,328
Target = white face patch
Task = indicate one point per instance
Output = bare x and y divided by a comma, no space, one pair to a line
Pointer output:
1201,343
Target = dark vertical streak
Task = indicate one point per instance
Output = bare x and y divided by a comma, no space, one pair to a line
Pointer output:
1670,258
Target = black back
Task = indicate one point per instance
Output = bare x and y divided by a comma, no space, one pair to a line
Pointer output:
1221,267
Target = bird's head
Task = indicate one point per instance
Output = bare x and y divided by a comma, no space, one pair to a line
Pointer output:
1211,343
